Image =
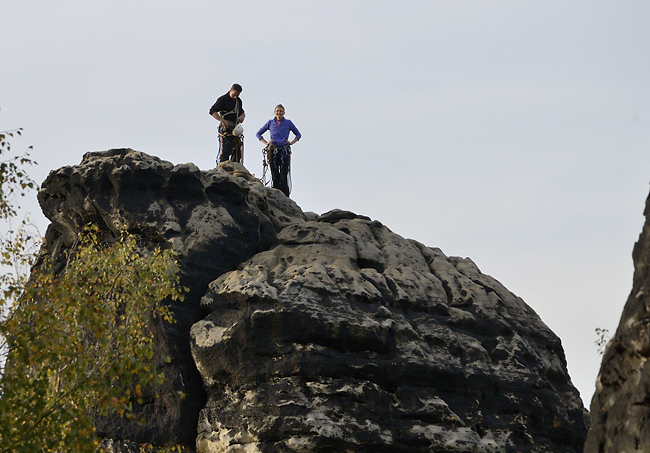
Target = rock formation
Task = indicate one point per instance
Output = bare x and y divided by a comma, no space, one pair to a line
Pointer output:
320,333
214,221
620,408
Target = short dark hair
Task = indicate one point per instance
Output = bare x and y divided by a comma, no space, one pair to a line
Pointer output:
281,106
236,87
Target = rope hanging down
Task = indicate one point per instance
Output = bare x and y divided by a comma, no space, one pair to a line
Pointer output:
238,146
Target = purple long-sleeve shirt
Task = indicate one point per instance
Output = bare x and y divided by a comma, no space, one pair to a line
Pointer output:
279,131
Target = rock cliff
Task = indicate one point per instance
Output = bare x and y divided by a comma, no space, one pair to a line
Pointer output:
620,408
319,333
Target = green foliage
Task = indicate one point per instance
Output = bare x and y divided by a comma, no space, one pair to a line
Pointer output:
80,343
602,340
148,448
13,178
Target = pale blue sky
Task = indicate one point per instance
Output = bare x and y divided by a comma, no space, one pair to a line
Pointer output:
514,133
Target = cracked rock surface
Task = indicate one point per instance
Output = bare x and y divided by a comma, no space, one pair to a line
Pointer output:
348,337
213,219
620,407
310,333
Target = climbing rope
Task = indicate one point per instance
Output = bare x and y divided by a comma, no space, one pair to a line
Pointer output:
265,164
238,148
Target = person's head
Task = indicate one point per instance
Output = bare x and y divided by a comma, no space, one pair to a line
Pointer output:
235,91
279,111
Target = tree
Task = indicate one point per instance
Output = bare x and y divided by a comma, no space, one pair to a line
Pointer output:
81,344
13,178
78,343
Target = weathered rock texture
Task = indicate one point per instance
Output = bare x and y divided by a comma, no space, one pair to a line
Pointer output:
213,219
347,337
321,333
620,408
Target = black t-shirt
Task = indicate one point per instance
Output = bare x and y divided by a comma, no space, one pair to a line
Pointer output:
228,108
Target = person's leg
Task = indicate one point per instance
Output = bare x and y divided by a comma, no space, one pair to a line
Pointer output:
276,162
284,171
237,150
227,144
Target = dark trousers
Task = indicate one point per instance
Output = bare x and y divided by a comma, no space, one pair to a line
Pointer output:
227,147
228,144
280,167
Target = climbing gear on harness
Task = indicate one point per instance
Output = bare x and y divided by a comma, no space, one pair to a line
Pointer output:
238,131
265,163
237,154
278,159
236,111
238,150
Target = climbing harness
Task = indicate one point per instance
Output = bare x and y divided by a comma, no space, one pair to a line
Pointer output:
278,159
237,154
237,133
236,111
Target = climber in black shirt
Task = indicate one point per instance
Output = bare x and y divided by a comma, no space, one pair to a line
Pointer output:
228,110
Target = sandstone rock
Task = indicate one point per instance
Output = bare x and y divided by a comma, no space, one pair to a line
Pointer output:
347,337
214,220
620,408
318,333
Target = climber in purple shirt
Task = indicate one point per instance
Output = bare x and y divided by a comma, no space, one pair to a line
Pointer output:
280,128
279,148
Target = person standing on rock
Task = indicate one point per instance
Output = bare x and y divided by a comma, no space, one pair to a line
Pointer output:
228,110
278,148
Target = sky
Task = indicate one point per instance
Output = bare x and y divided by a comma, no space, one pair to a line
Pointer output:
513,133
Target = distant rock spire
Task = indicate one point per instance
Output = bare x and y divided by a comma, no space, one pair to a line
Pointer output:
620,407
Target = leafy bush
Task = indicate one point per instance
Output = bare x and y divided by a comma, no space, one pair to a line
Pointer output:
77,343
81,343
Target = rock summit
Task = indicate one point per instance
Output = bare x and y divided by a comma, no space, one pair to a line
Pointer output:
319,333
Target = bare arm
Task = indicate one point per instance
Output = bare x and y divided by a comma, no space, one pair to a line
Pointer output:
224,123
